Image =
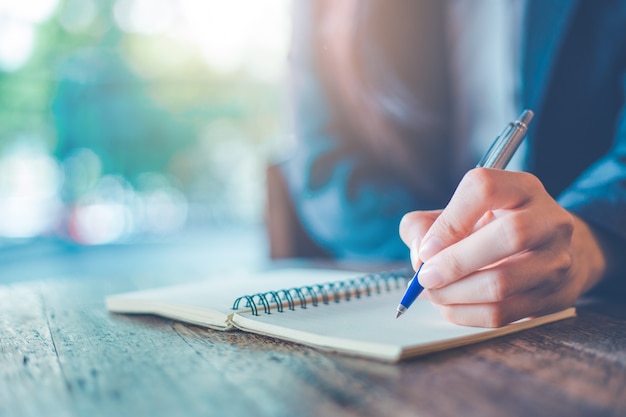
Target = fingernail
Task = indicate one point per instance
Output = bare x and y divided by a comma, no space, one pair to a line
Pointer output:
415,253
430,247
429,277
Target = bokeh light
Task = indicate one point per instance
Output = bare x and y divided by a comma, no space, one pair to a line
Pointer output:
77,15
149,17
16,43
17,31
131,119
29,184
32,11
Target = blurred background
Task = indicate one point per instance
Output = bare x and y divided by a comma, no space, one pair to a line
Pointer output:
126,119
129,121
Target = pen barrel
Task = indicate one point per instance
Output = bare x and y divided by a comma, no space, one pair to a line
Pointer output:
504,146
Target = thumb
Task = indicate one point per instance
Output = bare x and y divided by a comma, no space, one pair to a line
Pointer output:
415,224
413,227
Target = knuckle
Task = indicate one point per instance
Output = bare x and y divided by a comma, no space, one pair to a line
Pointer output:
563,261
449,229
454,267
497,287
530,181
559,221
495,316
516,231
566,227
480,182
558,278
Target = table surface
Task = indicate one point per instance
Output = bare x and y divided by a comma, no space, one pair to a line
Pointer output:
63,354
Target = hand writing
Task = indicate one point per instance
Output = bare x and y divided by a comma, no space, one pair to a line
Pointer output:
503,249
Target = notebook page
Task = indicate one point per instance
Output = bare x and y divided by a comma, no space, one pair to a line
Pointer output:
368,327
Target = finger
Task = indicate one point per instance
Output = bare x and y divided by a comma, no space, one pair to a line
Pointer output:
414,224
532,303
503,237
412,227
487,218
480,191
525,272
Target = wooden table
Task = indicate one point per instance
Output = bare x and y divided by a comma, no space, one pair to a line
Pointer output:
62,354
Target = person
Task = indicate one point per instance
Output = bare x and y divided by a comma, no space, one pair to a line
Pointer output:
394,102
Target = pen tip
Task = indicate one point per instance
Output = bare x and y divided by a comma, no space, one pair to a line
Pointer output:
400,310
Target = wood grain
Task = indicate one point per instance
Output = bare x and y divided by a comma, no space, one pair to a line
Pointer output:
62,354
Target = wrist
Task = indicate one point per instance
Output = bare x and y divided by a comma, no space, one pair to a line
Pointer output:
589,255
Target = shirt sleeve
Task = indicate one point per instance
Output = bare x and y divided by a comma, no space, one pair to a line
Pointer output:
599,195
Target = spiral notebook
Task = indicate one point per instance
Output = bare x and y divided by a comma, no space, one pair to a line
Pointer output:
339,311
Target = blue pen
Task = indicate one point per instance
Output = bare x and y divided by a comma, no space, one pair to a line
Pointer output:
412,292
498,156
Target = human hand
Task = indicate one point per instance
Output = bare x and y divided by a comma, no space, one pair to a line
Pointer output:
503,249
